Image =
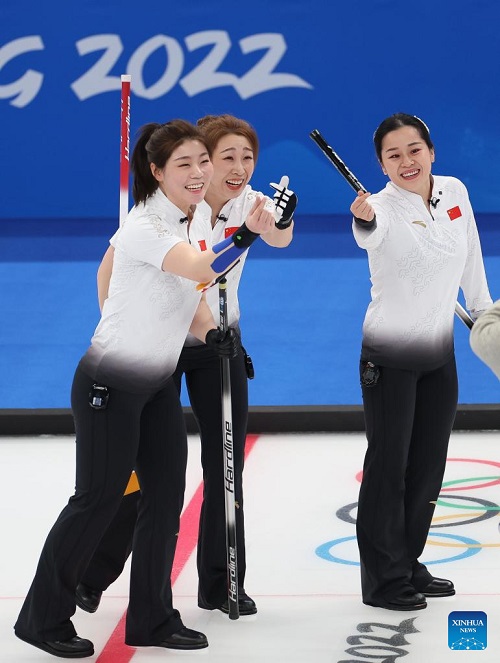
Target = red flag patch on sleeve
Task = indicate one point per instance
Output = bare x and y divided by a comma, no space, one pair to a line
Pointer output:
454,213
230,231
203,244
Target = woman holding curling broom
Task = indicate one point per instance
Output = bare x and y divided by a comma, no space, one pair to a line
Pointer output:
423,245
125,404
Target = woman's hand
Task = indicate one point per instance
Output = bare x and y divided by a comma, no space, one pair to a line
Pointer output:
361,208
261,217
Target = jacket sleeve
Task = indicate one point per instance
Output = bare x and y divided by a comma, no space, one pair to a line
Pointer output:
370,236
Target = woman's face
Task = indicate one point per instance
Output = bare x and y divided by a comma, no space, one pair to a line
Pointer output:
186,175
234,163
407,160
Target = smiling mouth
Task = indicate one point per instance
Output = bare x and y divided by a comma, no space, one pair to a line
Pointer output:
410,173
195,188
234,182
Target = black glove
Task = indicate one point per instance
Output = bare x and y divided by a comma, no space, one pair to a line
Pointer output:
285,201
224,344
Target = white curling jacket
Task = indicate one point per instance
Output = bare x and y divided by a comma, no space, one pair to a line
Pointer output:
147,314
418,260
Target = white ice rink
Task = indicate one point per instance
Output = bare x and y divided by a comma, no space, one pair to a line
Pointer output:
302,559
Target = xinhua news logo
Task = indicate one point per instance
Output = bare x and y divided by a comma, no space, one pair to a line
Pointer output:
467,630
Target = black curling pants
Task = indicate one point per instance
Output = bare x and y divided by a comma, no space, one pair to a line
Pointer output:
201,368
141,431
409,417
115,547
202,372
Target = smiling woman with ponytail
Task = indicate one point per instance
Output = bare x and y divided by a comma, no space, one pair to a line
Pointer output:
125,404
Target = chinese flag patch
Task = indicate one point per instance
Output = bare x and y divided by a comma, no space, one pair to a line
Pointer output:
230,231
454,213
203,244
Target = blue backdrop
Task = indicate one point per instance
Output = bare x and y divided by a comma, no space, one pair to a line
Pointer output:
286,66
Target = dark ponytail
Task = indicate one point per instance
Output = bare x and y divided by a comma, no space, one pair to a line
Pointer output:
144,184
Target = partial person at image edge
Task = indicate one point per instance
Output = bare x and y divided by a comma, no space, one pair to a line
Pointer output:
485,338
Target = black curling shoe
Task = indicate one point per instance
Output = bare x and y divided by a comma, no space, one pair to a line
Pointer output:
246,605
86,598
75,647
439,587
186,638
406,601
